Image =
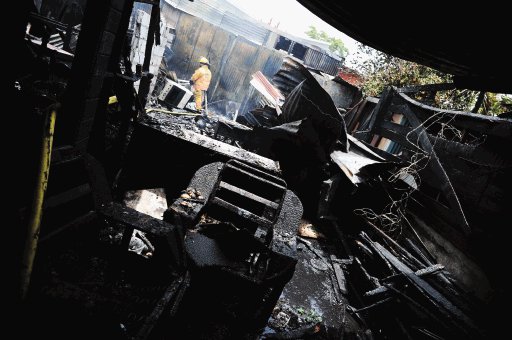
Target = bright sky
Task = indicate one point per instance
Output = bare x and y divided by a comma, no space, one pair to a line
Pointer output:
292,17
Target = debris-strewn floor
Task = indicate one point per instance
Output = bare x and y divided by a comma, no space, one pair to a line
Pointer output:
87,288
311,297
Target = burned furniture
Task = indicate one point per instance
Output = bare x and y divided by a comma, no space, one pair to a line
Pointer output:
241,260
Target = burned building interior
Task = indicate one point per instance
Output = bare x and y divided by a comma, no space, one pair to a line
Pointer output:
304,210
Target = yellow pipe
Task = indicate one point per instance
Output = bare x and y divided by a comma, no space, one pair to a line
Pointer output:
34,225
173,113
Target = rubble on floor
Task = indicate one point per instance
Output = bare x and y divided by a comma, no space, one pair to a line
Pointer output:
278,224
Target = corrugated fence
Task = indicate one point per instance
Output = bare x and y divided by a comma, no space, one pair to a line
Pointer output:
233,58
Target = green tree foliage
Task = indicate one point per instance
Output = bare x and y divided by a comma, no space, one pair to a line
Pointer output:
381,70
335,45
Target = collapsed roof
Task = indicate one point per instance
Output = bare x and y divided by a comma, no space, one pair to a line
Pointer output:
460,40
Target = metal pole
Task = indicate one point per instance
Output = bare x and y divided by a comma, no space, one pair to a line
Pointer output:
34,225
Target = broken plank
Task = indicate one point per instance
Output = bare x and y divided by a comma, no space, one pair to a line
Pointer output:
340,277
439,302
248,194
154,317
422,272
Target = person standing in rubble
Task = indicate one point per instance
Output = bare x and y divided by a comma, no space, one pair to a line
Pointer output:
200,81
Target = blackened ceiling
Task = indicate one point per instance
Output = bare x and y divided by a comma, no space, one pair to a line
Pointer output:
470,41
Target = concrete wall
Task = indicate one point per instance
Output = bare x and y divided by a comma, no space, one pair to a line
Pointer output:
467,272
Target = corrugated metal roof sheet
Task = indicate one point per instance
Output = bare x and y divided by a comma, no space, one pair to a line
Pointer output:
225,15
423,37
322,62
262,81
248,30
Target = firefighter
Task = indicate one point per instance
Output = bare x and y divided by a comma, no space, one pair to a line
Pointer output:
200,81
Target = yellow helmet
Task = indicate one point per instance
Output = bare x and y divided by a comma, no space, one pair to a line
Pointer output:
203,60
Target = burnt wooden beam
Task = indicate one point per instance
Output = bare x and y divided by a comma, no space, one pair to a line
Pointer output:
248,194
395,132
376,304
340,277
434,269
152,320
447,309
379,111
427,87
351,117
479,102
137,220
490,125
241,212
397,247
372,247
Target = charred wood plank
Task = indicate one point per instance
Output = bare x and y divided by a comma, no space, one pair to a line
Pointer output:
135,219
434,269
447,309
248,194
397,133
340,277
152,320
422,257
398,247
427,87
479,102
376,304
379,112
427,261
241,212
374,249
464,120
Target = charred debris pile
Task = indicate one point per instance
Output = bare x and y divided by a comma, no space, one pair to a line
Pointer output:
297,220
387,257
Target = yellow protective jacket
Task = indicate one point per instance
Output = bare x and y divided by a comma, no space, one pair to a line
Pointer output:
201,78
